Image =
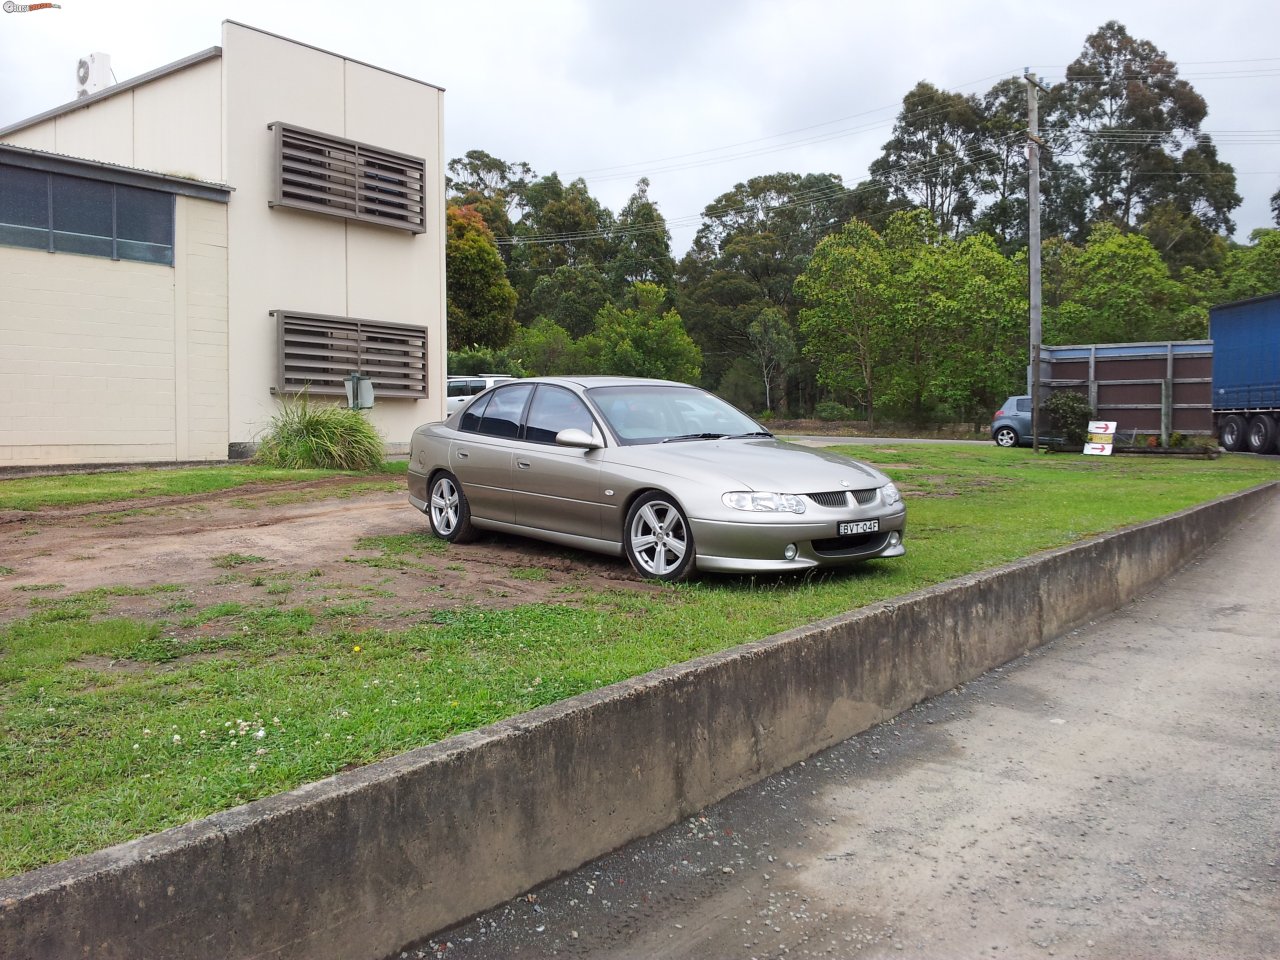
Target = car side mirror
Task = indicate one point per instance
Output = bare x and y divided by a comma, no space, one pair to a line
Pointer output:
573,437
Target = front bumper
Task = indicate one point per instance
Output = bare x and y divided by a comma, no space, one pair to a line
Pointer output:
758,547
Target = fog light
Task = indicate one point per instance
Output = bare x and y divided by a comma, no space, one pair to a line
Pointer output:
790,551
894,539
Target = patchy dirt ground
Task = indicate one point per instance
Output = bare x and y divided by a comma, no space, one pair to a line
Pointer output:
314,544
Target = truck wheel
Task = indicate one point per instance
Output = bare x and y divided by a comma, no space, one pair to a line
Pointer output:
1231,432
1262,434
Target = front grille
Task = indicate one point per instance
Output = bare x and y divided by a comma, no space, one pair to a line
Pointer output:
843,546
834,498
840,498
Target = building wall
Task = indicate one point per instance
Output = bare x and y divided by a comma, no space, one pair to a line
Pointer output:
208,121
284,259
106,361
172,125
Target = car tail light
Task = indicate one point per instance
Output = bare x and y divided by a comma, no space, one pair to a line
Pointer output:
997,414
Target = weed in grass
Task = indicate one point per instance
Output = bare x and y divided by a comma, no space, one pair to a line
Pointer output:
279,588
180,606
357,608
258,581
315,572
38,587
230,560
216,612
6,571
530,573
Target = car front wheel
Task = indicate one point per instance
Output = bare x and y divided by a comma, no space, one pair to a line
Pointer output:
657,539
1006,437
449,512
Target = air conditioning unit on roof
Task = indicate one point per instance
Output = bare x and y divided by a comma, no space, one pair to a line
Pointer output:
93,73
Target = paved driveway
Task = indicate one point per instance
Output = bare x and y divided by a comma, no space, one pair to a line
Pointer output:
1114,794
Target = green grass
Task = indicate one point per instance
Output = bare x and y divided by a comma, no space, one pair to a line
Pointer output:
111,728
33,493
70,490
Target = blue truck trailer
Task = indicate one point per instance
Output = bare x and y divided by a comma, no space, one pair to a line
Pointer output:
1246,373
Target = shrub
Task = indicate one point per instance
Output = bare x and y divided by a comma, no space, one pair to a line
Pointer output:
1069,415
764,416
830,410
305,435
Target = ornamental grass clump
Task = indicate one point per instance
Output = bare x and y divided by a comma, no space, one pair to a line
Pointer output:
305,435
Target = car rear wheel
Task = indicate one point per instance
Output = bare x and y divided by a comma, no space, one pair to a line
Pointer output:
1006,437
1262,434
448,510
1231,433
657,539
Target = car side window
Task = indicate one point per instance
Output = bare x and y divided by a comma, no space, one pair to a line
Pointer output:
471,419
554,409
1023,404
501,416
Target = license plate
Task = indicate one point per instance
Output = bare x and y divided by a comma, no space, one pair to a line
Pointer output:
851,527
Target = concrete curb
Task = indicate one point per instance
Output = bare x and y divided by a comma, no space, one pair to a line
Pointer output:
361,864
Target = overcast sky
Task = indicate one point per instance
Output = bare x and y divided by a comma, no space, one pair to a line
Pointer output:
697,95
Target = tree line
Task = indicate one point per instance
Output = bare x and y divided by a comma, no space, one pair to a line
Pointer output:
903,296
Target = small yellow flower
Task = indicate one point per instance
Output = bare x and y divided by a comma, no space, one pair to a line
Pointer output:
356,648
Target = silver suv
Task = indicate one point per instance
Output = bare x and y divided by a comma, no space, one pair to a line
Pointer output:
461,389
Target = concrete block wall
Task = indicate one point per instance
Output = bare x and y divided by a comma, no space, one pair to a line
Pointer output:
364,863
106,361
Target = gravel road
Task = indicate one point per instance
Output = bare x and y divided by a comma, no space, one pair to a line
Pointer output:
1112,795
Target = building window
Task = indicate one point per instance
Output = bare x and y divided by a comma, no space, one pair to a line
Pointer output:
65,214
343,178
318,353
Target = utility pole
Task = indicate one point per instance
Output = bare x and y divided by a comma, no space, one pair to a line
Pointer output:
1034,143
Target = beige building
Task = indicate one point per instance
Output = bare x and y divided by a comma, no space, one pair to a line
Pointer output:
180,250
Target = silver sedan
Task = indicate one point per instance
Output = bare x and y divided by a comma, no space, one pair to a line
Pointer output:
665,474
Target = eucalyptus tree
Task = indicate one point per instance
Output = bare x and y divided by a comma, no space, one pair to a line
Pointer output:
1138,126
935,158
642,243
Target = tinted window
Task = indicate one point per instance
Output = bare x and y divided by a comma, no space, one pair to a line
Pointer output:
1023,404
82,218
554,409
24,208
471,419
55,212
144,225
502,415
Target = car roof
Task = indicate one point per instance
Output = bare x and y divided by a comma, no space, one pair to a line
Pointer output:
586,382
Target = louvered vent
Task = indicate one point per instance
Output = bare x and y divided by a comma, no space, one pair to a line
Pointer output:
344,178
317,354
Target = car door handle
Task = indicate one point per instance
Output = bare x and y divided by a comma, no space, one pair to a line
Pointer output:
462,454
523,464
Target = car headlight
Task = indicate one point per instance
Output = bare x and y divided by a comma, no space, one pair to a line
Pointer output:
890,495
756,502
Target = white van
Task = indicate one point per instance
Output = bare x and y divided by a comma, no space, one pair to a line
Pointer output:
461,389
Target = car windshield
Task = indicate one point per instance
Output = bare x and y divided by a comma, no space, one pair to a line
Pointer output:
658,413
